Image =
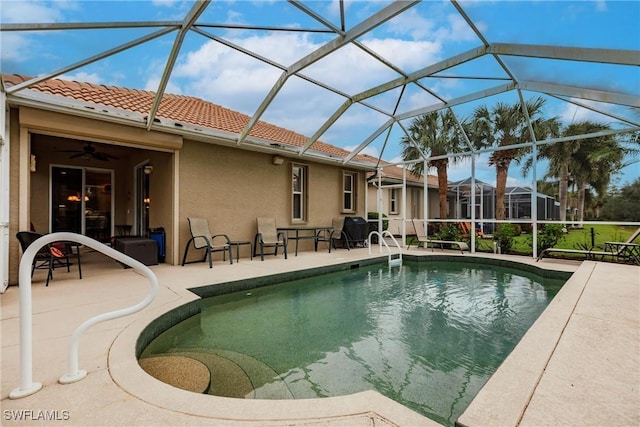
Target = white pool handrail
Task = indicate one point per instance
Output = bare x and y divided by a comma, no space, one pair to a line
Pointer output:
393,262
27,386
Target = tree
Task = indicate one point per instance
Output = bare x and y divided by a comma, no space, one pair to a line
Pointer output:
559,156
506,125
623,204
595,161
434,134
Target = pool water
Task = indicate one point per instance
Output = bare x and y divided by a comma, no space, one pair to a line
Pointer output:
426,335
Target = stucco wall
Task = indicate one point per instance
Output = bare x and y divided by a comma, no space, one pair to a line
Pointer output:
14,185
395,223
232,187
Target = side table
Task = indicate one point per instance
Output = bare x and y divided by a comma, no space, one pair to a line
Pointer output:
237,244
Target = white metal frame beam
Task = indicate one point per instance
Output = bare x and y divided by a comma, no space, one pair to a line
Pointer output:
368,24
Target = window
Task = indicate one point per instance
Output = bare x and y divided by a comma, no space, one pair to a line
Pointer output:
416,204
393,200
298,193
349,192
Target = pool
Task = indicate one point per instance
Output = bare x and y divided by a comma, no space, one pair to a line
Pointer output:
427,335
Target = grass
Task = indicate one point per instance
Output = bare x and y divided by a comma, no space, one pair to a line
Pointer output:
574,239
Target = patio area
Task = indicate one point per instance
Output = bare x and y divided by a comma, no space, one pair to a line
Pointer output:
578,365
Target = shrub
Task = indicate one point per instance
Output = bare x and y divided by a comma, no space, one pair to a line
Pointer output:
448,232
517,229
504,236
526,228
373,224
549,236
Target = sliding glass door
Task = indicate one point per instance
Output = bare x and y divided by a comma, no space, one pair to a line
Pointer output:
81,201
142,201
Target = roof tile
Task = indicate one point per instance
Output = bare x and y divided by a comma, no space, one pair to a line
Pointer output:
179,108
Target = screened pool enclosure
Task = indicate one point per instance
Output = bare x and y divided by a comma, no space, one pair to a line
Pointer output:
351,74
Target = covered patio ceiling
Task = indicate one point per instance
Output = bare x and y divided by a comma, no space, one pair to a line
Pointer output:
361,70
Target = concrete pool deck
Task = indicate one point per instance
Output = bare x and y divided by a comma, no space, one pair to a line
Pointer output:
578,365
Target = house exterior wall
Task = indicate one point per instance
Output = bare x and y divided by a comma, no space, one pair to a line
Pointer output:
230,186
40,132
15,208
414,195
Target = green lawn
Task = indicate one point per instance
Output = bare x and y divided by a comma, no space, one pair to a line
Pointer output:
574,239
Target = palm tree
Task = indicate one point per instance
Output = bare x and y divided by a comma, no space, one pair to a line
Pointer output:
559,155
506,125
434,134
595,161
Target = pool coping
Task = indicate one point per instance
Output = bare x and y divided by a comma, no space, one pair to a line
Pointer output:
127,373
527,361
591,378
137,382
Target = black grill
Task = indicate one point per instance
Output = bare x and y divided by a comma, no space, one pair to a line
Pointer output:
356,229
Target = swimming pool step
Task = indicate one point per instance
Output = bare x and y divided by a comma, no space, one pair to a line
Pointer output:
239,375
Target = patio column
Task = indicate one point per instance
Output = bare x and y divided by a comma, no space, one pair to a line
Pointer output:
425,202
4,192
534,200
379,202
404,206
473,204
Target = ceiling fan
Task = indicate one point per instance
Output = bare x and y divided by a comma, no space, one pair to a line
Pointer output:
89,152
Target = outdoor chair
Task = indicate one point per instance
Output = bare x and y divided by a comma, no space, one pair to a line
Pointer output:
202,238
422,238
47,257
627,251
336,234
465,229
268,236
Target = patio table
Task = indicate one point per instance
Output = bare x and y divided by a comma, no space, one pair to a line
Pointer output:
237,244
304,232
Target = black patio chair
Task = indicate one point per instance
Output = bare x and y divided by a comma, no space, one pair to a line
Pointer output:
46,257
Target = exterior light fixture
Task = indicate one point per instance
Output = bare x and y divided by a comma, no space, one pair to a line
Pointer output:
277,160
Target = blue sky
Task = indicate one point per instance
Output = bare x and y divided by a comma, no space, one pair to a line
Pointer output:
425,34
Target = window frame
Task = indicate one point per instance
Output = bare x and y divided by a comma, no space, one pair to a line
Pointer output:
351,194
302,193
393,201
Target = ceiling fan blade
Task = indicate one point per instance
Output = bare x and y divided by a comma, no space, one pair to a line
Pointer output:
75,156
105,157
99,156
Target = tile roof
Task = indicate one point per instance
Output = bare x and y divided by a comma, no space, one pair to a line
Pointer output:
179,108
396,172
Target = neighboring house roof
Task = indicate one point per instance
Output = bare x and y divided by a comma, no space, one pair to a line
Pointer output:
395,173
465,184
178,108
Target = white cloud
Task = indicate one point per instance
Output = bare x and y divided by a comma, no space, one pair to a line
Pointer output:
165,3
82,76
601,6
413,24
153,82
571,113
227,77
371,151
13,47
17,46
406,54
31,11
